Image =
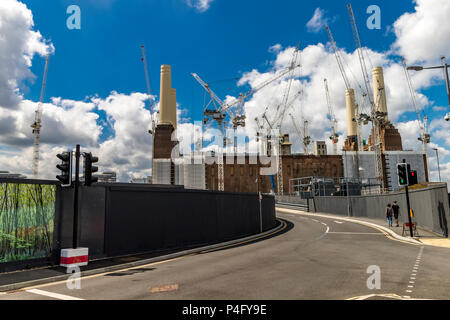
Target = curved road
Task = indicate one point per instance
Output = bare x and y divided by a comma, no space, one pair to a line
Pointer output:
313,258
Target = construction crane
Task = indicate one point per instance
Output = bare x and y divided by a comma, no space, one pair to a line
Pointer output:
360,117
279,116
276,124
147,79
222,109
37,125
423,124
338,58
304,135
334,135
376,117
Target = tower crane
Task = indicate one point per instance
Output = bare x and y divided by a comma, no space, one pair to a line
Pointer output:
37,125
348,87
338,57
376,117
304,135
222,109
147,79
334,135
423,124
275,124
280,116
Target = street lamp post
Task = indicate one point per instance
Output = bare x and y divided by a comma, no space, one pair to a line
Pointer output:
446,77
439,169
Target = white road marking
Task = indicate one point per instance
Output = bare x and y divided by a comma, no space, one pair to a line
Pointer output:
385,295
338,222
52,295
415,269
376,233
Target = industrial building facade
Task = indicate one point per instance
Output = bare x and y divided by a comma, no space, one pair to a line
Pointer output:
246,177
247,173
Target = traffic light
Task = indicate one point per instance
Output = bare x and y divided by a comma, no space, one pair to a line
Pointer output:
89,169
66,169
402,172
412,177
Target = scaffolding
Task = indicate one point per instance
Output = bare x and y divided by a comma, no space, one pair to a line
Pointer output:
310,187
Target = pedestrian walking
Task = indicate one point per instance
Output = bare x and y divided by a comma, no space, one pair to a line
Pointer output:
389,214
396,211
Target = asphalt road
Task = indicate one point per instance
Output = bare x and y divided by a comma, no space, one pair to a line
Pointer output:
313,258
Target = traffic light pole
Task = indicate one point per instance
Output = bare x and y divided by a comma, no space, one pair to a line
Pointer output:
409,210
75,197
408,206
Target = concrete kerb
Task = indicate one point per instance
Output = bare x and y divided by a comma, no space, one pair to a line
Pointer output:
26,284
369,224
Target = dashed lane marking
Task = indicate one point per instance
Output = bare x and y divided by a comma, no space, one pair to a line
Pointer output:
338,222
52,295
413,275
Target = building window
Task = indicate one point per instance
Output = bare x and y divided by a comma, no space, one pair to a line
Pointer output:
289,170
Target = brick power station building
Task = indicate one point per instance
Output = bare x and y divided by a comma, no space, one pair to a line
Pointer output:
245,175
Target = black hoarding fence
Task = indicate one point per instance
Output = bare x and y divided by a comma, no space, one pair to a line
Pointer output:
120,219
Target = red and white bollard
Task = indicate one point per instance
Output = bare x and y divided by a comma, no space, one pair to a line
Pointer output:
74,257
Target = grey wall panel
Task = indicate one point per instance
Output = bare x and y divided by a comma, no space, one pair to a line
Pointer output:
430,206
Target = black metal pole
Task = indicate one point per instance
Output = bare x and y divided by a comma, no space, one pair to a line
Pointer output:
75,197
447,81
408,205
439,168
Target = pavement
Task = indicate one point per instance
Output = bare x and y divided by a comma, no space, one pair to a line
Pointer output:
310,257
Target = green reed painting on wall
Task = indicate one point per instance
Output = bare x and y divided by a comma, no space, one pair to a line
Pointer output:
26,220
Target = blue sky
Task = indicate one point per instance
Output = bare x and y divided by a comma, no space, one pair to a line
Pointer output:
225,40
230,38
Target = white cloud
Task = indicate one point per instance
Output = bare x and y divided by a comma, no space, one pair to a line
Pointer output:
317,22
275,48
128,149
422,36
200,5
18,44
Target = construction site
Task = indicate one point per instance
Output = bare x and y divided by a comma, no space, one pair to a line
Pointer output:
367,164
